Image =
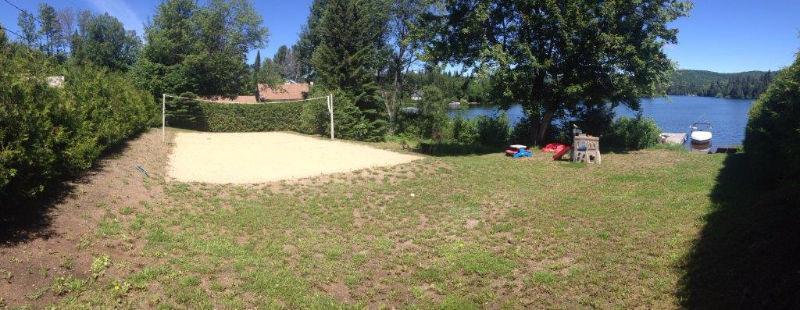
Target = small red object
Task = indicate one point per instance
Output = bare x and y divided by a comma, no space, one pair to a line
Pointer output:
561,151
553,147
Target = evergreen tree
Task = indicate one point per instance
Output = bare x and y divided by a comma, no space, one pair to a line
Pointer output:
49,29
351,40
27,25
309,40
270,74
744,85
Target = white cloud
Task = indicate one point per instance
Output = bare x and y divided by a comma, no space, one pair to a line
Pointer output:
122,11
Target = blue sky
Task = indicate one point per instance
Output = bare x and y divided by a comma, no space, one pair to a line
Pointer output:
719,35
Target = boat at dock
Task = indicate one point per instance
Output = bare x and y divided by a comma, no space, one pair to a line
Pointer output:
701,133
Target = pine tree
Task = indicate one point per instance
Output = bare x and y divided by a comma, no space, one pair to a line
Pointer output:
347,59
50,29
309,40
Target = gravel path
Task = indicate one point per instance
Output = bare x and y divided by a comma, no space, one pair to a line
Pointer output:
241,158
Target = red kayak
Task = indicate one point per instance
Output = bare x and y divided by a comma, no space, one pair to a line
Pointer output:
554,147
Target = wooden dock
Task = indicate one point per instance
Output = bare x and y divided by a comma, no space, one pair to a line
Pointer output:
672,138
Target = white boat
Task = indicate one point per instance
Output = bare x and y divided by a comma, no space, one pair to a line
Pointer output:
701,133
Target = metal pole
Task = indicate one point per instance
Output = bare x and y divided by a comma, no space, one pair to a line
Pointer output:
163,118
330,111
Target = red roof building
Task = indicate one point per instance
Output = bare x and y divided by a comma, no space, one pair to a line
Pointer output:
284,92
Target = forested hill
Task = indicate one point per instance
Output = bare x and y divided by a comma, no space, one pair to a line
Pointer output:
743,85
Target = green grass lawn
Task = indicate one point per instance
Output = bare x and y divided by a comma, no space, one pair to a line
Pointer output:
449,232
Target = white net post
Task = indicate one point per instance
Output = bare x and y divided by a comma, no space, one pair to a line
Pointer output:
330,112
163,118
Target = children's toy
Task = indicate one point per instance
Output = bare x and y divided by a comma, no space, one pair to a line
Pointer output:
518,151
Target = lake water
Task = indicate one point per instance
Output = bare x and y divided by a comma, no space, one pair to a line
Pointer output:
728,117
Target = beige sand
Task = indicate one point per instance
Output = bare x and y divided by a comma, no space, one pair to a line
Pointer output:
242,158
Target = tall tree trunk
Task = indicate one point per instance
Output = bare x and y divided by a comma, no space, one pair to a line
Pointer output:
544,126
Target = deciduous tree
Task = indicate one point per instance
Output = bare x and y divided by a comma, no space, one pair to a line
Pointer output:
404,39
200,49
105,42
556,56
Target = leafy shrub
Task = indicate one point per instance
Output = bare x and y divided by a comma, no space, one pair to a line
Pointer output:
771,138
629,134
47,133
465,131
595,120
493,131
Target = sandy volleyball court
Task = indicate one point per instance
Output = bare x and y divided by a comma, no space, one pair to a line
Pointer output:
269,156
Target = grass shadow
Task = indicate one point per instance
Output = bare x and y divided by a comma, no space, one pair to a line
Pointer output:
26,219
747,255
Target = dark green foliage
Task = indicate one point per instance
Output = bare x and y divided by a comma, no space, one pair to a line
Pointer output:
433,117
594,120
460,136
745,85
465,131
492,131
105,42
307,117
772,139
48,133
630,134
270,74
453,86
350,122
199,49
349,56
309,40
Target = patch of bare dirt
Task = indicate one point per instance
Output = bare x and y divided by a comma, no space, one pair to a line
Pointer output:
339,291
57,237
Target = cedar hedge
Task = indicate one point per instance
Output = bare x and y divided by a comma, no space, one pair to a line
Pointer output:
309,117
304,117
49,133
772,137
